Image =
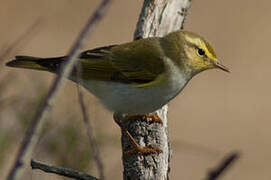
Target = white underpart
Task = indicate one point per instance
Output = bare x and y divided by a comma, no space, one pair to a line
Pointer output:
127,98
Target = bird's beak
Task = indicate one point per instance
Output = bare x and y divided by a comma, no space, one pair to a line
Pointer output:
221,66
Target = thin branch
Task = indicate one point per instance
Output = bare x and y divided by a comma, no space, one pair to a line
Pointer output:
91,136
215,173
34,130
67,172
87,121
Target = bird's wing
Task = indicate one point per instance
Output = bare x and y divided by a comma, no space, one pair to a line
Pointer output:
138,62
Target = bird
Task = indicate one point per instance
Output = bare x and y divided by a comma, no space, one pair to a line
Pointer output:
138,77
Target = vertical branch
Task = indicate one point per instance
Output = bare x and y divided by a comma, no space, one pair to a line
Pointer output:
160,17
35,128
157,18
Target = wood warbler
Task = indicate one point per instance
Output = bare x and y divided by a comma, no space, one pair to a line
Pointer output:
138,77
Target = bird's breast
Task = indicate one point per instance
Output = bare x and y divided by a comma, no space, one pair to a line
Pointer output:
132,99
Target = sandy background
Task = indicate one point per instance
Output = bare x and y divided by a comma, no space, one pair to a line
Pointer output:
215,114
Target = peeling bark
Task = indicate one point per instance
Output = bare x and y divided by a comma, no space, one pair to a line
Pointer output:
157,18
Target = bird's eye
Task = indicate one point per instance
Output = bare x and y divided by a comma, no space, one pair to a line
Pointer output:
201,52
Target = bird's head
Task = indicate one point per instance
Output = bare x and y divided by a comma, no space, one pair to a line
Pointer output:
199,53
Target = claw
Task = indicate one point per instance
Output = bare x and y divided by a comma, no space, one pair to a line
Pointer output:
143,150
152,117
137,148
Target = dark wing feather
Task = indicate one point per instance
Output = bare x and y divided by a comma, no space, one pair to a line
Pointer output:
137,62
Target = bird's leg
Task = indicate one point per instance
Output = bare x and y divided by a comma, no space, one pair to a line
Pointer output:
137,148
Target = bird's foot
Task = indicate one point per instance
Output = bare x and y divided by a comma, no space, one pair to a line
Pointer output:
152,117
138,148
120,119
143,150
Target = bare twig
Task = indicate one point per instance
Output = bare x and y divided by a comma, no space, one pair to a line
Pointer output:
91,136
215,173
67,172
87,121
34,130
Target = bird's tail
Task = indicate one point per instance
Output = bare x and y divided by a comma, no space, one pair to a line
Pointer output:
44,64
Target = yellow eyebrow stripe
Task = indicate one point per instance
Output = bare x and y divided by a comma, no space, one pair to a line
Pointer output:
203,44
209,50
209,54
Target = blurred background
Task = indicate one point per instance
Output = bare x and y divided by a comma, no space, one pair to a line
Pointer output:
215,114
